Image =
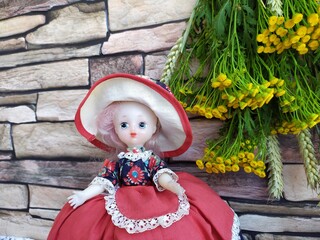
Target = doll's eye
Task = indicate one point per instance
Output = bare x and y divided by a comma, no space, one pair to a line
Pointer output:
142,125
124,125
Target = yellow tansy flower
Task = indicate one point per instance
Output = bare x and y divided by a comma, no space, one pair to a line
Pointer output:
260,49
247,169
297,18
280,20
302,31
221,77
313,19
289,24
272,20
235,168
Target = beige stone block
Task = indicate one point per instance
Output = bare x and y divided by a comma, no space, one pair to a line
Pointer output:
267,224
47,55
202,129
20,24
295,184
133,14
52,140
13,196
21,224
144,40
73,24
44,76
12,44
5,138
59,105
15,99
44,213
18,114
154,64
48,197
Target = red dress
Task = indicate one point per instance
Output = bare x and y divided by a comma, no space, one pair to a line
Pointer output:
140,210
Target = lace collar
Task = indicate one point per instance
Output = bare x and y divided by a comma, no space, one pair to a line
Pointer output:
135,154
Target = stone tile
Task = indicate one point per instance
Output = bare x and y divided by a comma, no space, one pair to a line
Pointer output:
10,8
154,64
15,99
277,208
236,185
100,67
266,236
48,197
45,76
12,44
68,174
20,24
202,129
13,196
295,184
44,213
47,55
21,224
59,105
52,140
125,15
73,24
259,223
144,40
289,149
19,114
6,155
5,137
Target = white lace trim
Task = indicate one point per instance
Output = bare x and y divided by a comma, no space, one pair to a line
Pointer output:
236,227
107,184
136,156
142,225
159,173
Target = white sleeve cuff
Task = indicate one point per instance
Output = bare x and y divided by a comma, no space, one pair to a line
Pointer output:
107,184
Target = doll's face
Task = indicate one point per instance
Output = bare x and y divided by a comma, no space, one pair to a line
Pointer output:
134,123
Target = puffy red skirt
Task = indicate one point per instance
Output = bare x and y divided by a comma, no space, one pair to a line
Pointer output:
209,217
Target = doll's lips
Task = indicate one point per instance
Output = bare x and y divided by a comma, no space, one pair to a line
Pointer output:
133,135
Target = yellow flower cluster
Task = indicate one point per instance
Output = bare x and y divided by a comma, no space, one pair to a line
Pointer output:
231,96
245,159
296,32
296,126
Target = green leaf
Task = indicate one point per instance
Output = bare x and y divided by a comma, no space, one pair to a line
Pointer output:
220,19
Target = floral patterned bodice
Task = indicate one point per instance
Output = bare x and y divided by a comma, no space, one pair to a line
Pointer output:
135,167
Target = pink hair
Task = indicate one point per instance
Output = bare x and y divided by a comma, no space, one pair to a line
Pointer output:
108,135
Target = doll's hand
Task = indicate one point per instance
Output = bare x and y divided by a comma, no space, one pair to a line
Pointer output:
176,188
76,199
167,182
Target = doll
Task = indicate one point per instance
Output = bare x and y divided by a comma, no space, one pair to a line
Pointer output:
135,195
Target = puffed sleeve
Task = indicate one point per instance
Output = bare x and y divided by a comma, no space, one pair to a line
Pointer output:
158,167
108,176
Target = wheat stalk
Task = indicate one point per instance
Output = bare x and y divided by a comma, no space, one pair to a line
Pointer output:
177,50
275,182
308,155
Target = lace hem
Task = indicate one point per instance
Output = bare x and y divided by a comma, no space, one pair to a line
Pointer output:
236,228
142,225
158,174
108,186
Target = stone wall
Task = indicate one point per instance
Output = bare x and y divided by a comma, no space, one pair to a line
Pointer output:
51,51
